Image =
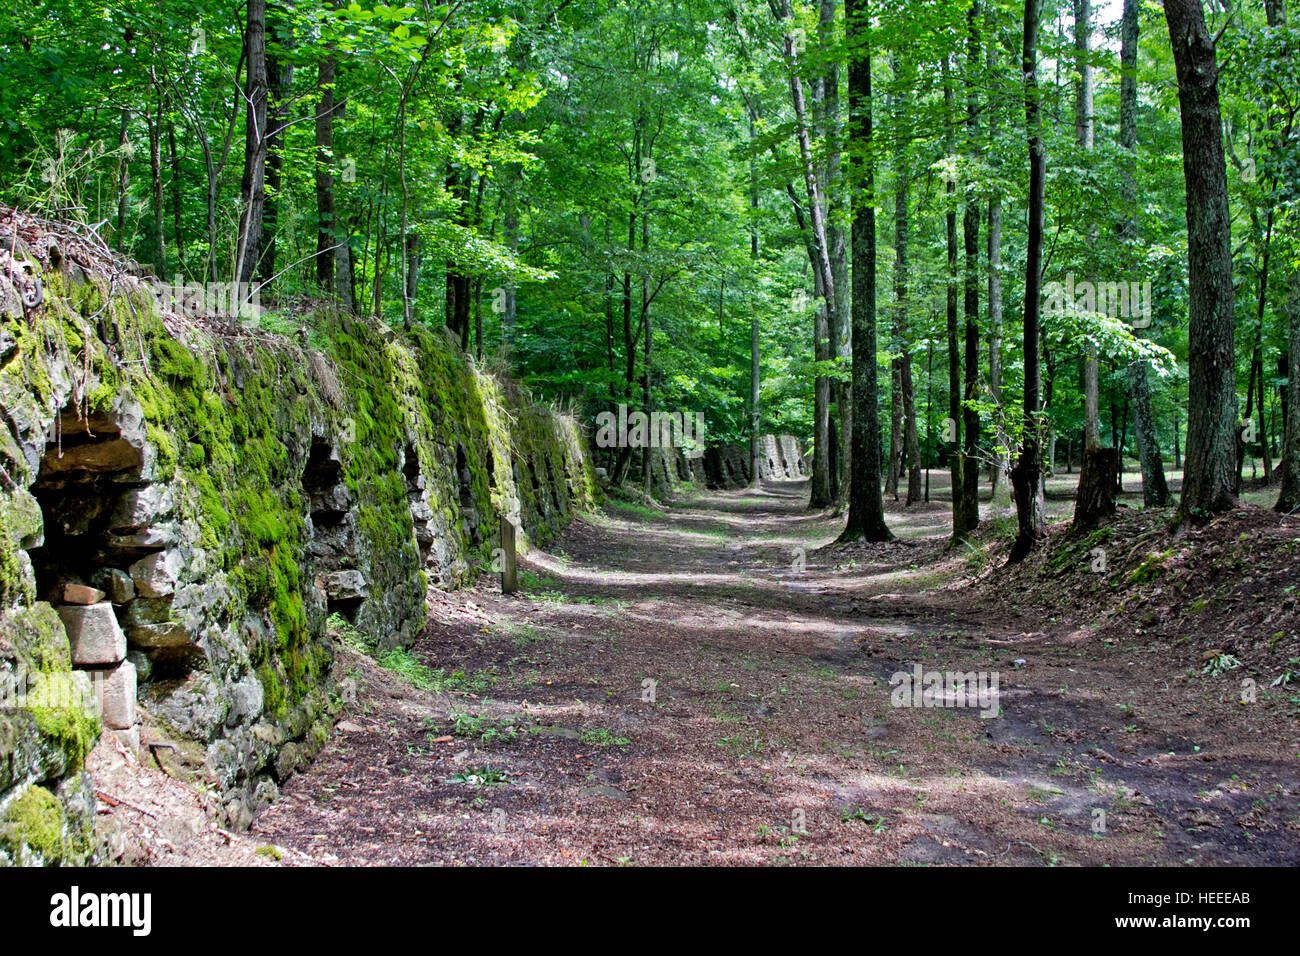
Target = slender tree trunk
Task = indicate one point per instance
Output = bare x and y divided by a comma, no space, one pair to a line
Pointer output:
1085,136
1026,476
954,423
1000,493
866,509
971,302
1212,405
1289,499
821,496
123,176
280,77
834,197
326,231
159,206
755,412
177,199
252,191
1155,490
648,353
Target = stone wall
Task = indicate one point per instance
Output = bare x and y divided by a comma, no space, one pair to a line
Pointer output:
188,503
720,466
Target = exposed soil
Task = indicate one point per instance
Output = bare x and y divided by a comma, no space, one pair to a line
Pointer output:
537,742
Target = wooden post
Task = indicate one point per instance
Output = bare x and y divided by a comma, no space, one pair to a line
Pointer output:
509,578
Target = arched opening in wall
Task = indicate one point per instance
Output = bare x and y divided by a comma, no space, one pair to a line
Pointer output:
330,543
556,498
465,492
421,513
107,560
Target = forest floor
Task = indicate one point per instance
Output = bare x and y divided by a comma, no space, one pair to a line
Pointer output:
525,729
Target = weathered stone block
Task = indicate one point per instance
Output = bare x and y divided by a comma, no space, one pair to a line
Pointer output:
141,507
156,575
94,634
158,636
116,689
346,585
70,593
116,583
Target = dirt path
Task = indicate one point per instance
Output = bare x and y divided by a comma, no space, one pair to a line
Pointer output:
704,686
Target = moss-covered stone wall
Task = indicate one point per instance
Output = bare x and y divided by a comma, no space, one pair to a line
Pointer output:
226,490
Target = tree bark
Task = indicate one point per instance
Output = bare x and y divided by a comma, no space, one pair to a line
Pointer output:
280,79
1289,499
1026,476
866,517
326,232
970,483
252,190
1155,490
954,425
821,496
1212,400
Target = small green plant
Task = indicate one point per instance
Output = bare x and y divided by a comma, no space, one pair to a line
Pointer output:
479,777
877,823
405,665
744,746
347,632
1291,673
600,737
1220,663
486,729
270,852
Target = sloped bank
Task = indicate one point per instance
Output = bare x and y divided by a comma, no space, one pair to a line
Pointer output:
182,506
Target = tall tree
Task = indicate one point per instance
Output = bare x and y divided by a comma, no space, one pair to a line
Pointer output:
1212,400
956,467
1155,490
1026,476
866,508
252,190
822,495
970,486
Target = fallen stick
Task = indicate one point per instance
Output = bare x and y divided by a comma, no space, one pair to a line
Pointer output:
113,801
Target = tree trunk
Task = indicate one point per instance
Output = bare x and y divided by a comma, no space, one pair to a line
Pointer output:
970,483
1098,487
280,77
954,422
1289,499
911,462
1155,490
1000,493
1085,135
866,509
326,232
755,382
1026,476
177,197
159,208
252,190
821,496
1212,404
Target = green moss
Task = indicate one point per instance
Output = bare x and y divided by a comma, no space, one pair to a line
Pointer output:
1149,569
74,730
36,820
